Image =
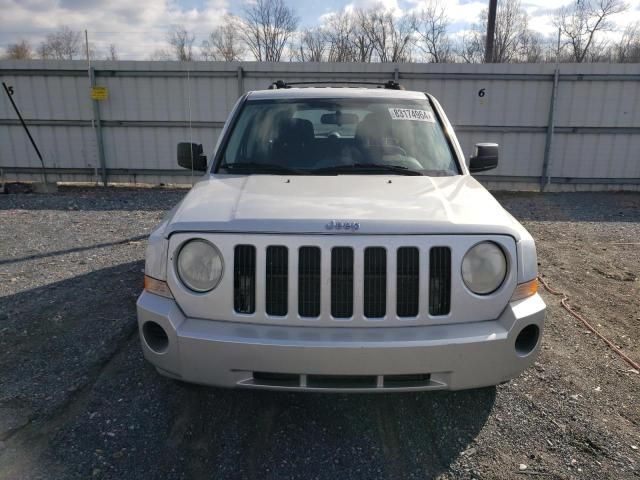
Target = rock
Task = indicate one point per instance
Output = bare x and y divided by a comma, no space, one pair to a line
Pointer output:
522,467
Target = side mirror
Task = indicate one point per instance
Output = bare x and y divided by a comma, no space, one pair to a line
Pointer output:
485,158
190,156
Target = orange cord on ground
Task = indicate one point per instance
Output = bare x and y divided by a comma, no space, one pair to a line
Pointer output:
566,306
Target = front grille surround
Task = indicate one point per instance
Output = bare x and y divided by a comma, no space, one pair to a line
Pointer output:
219,303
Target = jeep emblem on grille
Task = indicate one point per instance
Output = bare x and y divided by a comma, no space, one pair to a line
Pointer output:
339,225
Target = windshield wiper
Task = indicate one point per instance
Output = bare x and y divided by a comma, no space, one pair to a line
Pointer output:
257,167
367,168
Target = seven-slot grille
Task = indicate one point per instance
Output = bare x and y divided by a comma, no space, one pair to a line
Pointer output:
375,275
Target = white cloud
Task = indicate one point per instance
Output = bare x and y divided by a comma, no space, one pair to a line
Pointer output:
386,5
136,27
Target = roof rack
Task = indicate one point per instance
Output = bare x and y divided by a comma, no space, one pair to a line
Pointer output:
389,85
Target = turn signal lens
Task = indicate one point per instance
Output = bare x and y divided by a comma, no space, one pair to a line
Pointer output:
158,287
525,290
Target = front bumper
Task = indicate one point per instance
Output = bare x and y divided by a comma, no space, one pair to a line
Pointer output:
442,357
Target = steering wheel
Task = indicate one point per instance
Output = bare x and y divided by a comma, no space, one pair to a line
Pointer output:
394,150
411,163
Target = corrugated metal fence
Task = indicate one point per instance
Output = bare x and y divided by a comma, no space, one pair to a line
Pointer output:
595,142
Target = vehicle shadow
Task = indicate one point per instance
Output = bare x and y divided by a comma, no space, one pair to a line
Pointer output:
66,251
79,398
55,337
301,435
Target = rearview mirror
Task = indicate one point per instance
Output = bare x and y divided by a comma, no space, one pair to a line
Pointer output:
190,156
339,119
485,158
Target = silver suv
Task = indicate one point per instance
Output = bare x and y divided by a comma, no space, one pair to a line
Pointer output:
338,242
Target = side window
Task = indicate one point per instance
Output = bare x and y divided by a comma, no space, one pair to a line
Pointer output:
232,153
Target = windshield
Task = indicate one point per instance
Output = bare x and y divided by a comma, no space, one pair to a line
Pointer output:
338,136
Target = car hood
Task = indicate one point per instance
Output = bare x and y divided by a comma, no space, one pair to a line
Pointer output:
380,204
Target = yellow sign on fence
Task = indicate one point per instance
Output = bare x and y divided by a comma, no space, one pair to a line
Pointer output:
99,93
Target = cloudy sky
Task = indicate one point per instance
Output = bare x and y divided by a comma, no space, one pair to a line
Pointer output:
138,27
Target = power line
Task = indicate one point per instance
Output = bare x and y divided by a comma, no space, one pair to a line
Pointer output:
98,32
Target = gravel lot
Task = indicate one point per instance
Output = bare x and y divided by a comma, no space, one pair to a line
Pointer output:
77,400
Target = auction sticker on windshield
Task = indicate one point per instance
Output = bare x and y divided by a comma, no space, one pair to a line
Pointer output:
411,114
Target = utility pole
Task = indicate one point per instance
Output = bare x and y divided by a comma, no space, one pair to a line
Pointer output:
86,43
491,28
545,179
95,121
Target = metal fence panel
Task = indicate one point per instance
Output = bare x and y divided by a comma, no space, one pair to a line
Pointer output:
150,106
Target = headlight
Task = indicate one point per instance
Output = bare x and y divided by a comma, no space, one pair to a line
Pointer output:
483,268
200,265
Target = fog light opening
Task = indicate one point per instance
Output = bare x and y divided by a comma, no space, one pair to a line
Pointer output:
527,340
155,336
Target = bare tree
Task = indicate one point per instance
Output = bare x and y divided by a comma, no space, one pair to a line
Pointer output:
112,53
161,55
390,37
530,43
531,47
627,50
311,46
511,22
601,50
64,44
431,25
339,34
267,28
19,51
581,21
471,46
513,41
181,42
362,47
225,43
42,51
372,34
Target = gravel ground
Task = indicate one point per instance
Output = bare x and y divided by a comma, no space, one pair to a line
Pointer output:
77,400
